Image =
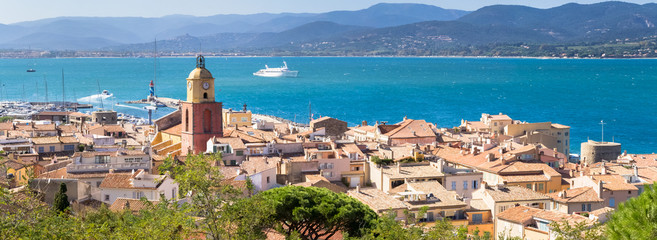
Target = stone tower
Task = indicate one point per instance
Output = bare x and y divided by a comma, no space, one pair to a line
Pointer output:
201,115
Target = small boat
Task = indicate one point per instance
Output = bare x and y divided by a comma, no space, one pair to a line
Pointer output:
276,72
31,70
96,97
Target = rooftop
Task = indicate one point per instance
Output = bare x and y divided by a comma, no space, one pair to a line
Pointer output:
514,193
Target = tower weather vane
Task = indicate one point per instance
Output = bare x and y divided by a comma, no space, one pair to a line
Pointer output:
200,61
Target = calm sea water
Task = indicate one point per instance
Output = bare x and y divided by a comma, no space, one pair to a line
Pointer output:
578,93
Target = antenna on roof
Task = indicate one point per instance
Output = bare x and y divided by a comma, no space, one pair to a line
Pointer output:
602,123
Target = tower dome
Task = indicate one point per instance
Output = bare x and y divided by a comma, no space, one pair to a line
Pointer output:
200,72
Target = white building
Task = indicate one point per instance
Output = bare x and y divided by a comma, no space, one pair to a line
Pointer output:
121,160
137,185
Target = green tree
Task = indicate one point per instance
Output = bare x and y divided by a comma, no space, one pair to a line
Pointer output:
444,230
386,227
568,231
61,199
636,218
317,212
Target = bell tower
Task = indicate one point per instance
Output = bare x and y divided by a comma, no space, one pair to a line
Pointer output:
201,115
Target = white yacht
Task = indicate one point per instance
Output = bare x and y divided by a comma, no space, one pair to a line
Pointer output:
96,97
276,72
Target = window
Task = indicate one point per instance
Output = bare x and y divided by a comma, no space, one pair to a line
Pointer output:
453,185
173,193
558,141
566,134
52,148
474,184
327,174
102,159
233,119
106,198
98,183
477,218
529,185
239,153
555,205
495,124
244,119
69,148
588,207
629,192
205,95
540,187
583,207
612,202
465,185
503,208
267,179
233,162
186,120
558,133
41,149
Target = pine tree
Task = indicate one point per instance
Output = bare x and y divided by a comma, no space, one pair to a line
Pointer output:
61,199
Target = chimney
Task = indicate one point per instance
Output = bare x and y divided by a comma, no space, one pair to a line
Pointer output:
398,168
358,188
111,170
244,109
603,169
490,157
405,118
600,188
556,153
440,164
364,123
563,194
636,171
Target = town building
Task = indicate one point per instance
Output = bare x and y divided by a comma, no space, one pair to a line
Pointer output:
575,200
137,185
234,118
499,198
532,223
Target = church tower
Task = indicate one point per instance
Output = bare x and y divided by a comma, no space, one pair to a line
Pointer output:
201,115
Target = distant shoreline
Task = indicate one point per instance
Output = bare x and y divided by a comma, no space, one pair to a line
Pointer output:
389,56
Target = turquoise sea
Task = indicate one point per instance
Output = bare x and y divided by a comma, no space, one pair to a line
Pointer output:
575,92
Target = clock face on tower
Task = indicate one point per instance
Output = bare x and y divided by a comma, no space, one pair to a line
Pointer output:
206,85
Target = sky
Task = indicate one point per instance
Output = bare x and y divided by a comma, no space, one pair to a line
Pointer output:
12,11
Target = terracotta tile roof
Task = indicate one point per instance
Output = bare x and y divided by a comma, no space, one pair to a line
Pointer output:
523,215
514,193
45,127
12,164
478,204
365,128
614,182
135,205
124,180
323,183
7,126
556,125
412,171
259,164
519,214
444,198
113,128
68,139
67,128
174,130
577,195
411,129
46,140
377,200
500,117
603,210
234,142
642,160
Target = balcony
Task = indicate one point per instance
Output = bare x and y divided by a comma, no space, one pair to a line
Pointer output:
103,167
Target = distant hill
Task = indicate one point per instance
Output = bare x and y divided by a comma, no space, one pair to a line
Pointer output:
131,30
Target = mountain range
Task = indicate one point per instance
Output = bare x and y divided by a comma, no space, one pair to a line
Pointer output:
395,28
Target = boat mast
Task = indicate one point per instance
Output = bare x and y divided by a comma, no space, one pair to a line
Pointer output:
154,68
63,90
100,95
46,84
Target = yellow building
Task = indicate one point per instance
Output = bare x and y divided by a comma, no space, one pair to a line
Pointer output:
21,172
237,118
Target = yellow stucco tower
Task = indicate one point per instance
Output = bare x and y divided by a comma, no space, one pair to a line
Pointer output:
200,83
